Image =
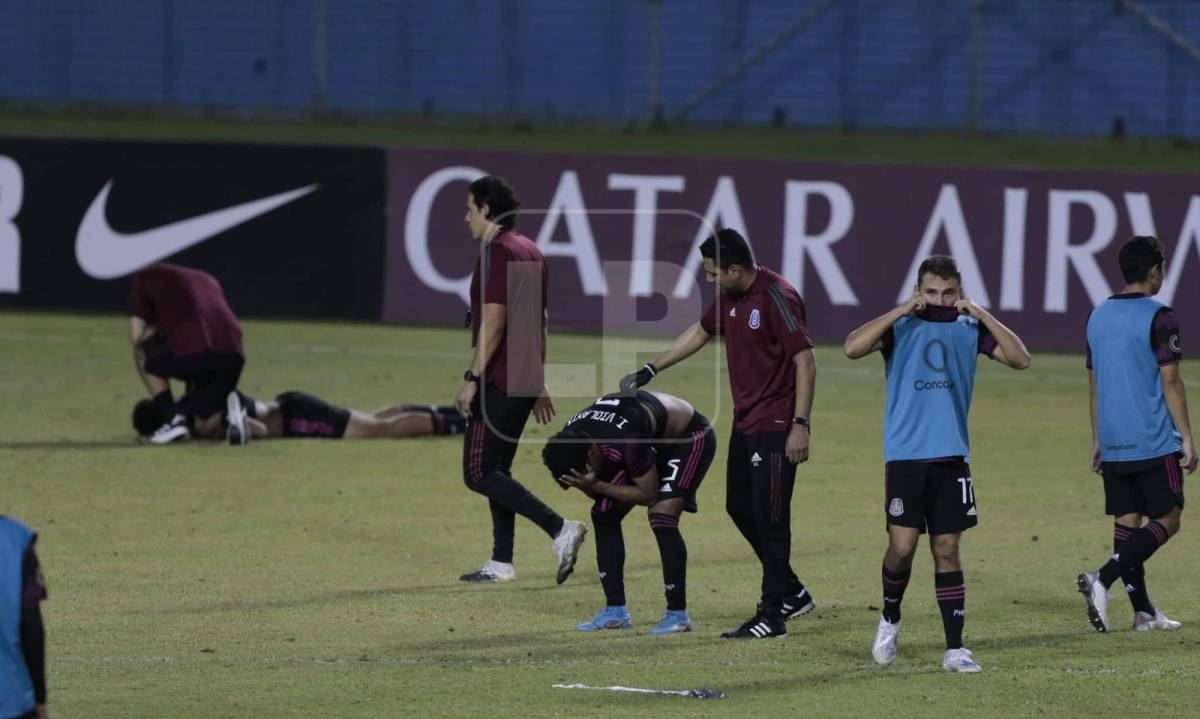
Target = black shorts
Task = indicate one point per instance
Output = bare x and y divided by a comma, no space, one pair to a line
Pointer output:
934,497
1151,487
307,416
681,463
210,376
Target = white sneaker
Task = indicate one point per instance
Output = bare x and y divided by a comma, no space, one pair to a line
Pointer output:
883,649
235,415
1096,596
492,571
959,660
172,431
1144,622
566,547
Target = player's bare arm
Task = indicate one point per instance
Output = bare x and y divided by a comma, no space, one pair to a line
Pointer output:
1010,350
868,338
543,406
491,329
806,382
685,345
688,343
643,491
140,331
1176,397
1095,461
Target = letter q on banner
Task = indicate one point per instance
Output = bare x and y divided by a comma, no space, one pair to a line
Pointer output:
416,230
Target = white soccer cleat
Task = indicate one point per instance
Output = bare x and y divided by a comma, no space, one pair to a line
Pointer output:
172,431
959,660
883,649
566,547
1096,596
491,572
1144,622
235,415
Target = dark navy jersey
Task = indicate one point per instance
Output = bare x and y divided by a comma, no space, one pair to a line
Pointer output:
623,430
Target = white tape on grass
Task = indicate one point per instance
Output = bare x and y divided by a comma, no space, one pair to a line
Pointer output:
693,693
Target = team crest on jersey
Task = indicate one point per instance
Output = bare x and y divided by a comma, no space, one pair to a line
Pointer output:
896,508
935,355
755,319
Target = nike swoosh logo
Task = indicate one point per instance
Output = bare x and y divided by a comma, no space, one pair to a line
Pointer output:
104,253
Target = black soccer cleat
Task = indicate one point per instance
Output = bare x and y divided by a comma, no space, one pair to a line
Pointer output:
797,605
758,627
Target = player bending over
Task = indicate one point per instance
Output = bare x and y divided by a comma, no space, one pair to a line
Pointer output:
651,449
300,415
929,344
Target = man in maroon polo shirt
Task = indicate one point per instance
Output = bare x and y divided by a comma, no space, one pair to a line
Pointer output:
182,328
772,373
505,382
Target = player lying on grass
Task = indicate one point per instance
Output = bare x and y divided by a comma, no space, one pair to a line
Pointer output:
300,415
648,448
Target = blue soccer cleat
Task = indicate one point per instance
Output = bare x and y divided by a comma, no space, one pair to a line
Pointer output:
673,622
607,618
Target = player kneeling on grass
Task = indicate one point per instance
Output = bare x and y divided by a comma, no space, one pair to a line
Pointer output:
300,415
181,327
1141,435
929,345
649,448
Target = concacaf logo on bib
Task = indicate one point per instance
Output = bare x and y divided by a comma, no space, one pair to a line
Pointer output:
755,319
896,508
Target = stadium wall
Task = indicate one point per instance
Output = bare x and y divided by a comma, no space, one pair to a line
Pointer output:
1063,67
374,234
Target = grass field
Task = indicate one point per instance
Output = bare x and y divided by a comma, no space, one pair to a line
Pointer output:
929,148
305,578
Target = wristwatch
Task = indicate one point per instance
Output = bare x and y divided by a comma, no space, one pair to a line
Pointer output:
803,422
470,376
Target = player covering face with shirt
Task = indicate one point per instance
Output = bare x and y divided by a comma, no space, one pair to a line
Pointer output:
929,344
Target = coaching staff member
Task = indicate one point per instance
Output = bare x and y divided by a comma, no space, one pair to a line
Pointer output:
772,373
182,328
22,638
506,380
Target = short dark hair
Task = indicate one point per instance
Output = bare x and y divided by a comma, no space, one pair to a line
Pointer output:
1139,255
147,417
566,451
499,197
942,266
733,249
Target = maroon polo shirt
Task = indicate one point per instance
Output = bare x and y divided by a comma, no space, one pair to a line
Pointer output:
188,306
511,271
763,330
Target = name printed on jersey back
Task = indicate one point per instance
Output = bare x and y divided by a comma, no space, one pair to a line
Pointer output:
596,415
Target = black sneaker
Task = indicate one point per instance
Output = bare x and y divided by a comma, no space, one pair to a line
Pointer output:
758,627
797,605
492,572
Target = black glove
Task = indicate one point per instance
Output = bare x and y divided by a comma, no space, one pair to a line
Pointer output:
641,378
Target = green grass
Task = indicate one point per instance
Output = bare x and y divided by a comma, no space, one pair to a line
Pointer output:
307,578
1132,155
